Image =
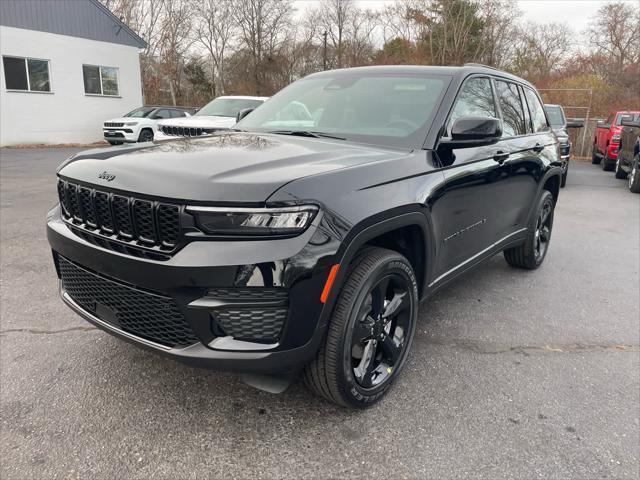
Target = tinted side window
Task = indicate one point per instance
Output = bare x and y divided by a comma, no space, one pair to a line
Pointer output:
536,110
160,114
475,99
177,114
511,106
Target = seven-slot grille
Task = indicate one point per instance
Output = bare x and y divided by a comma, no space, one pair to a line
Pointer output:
113,124
185,131
147,315
143,223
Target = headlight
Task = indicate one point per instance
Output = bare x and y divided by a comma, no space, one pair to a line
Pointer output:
615,138
254,221
130,124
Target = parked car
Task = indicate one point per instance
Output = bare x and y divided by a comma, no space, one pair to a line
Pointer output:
559,124
607,139
274,248
140,124
217,115
627,164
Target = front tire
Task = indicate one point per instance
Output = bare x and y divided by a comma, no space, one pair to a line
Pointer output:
370,331
634,176
146,135
114,142
565,174
607,165
620,173
533,251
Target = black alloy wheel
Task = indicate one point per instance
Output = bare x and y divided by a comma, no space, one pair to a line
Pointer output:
370,331
380,333
532,252
542,234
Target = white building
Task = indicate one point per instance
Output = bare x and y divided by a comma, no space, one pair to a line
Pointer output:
67,65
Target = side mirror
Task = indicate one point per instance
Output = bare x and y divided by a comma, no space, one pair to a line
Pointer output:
474,131
575,123
628,122
243,113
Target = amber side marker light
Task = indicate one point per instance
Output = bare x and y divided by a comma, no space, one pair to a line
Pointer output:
329,282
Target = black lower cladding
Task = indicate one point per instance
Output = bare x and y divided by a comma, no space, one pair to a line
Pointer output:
147,315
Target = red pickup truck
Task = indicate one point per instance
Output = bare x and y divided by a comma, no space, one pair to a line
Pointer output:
607,140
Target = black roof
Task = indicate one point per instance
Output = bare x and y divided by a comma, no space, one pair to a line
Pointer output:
461,71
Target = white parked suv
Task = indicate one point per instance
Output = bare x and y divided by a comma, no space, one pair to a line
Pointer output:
219,114
140,125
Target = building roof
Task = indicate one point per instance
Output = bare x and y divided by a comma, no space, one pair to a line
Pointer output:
77,18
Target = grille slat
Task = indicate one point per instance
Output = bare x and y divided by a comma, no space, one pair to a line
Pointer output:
86,207
143,215
144,314
140,223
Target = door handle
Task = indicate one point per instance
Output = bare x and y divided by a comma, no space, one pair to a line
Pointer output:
501,156
538,148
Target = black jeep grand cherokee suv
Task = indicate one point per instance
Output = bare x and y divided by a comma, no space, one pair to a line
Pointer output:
305,239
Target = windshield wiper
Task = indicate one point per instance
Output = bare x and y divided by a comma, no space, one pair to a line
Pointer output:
306,133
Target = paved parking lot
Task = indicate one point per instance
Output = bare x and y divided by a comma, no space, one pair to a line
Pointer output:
512,375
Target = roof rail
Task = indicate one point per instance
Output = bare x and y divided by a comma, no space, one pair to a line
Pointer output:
472,64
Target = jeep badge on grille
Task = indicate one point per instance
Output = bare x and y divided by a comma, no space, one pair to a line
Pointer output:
106,176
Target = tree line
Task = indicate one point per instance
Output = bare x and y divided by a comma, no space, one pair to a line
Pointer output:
199,49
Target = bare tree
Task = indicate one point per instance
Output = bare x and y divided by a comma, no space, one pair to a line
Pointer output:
264,27
336,17
175,43
614,33
216,29
541,49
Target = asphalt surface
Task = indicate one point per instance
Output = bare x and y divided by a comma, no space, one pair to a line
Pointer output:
512,375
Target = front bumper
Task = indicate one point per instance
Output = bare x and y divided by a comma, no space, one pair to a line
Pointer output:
612,151
188,277
129,135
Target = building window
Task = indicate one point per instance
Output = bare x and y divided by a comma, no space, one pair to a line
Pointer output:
100,80
26,74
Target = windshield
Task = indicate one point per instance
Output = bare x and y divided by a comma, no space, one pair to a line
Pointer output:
227,107
393,110
140,112
556,116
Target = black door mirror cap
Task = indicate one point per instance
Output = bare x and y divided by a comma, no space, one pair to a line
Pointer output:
243,113
474,131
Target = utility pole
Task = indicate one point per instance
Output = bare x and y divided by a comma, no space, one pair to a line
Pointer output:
324,51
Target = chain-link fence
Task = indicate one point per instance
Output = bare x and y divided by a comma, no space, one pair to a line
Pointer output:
582,138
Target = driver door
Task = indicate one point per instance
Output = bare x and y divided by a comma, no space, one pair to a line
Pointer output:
472,209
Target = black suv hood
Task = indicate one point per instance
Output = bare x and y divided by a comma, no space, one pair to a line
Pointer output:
233,167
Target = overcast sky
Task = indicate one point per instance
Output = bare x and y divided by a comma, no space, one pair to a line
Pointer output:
575,13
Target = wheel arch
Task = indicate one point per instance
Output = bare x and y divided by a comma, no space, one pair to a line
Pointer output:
550,182
408,233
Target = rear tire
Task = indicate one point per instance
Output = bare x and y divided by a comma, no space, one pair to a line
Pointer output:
338,373
533,251
634,176
563,180
620,173
595,158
